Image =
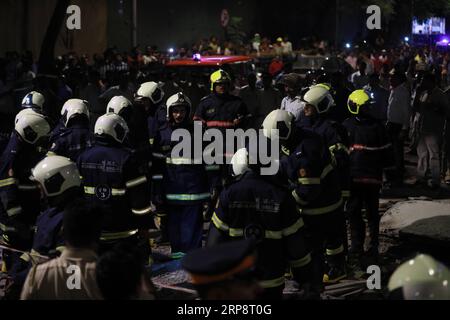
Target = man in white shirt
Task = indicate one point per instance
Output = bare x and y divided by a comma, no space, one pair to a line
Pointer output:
292,102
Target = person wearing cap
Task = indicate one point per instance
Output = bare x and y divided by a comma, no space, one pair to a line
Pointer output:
293,103
185,189
420,278
257,207
224,272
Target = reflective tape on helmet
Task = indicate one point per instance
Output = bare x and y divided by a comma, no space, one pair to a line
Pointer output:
179,161
188,197
142,212
114,192
301,262
323,210
136,182
294,228
14,211
334,252
108,236
7,182
219,224
298,199
278,282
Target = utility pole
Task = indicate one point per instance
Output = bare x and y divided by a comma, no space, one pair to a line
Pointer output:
134,23
336,39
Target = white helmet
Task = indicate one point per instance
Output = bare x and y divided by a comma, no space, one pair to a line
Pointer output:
33,99
112,125
75,107
23,112
150,90
278,120
422,278
240,162
56,174
319,97
32,126
118,104
178,99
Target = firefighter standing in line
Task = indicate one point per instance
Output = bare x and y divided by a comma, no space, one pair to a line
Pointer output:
115,179
19,196
369,154
60,182
77,136
308,166
185,183
220,110
256,207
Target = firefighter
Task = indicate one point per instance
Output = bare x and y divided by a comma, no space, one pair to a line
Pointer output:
76,136
220,110
185,183
20,197
369,153
421,278
150,96
115,179
60,127
33,100
318,102
60,183
256,207
307,165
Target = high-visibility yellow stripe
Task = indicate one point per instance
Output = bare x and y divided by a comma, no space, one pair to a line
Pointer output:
60,248
51,154
212,168
5,228
7,182
298,199
151,141
301,262
219,223
14,211
272,283
188,197
136,182
323,210
346,193
273,235
236,232
179,161
114,192
333,252
27,187
294,228
309,181
107,236
326,171
142,211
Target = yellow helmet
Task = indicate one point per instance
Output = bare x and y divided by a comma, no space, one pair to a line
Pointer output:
219,76
356,100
